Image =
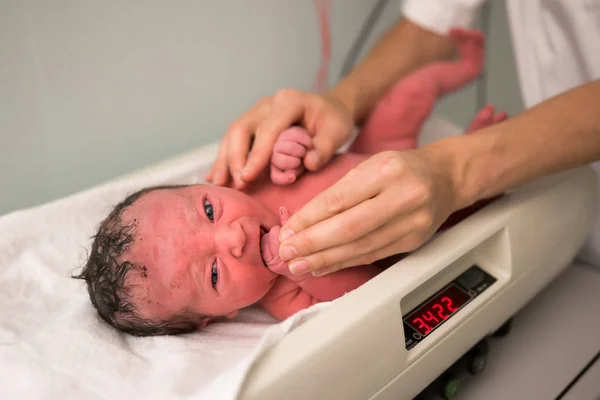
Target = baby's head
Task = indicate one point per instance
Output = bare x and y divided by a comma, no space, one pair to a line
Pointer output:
169,260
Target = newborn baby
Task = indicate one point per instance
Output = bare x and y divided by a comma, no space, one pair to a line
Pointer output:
172,259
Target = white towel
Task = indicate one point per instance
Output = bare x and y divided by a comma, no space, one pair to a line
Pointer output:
228,384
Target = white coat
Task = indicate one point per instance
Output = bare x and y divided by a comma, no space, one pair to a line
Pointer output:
556,45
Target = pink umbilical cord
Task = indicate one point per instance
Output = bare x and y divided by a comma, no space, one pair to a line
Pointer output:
324,15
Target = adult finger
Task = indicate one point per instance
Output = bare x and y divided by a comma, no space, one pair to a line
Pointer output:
219,174
400,236
363,182
405,244
344,194
239,146
240,135
325,143
286,111
339,229
362,250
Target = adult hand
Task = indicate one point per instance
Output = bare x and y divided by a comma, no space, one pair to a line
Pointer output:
389,204
327,119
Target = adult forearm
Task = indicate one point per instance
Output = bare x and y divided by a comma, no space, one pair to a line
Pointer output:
561,133
403,48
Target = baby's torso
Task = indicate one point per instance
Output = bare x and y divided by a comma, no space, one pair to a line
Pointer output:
308,185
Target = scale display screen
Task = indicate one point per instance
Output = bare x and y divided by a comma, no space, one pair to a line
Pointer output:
430,315
444,304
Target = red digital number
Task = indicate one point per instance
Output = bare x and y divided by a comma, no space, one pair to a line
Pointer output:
429,317
448,302
441,307
440,311
422,324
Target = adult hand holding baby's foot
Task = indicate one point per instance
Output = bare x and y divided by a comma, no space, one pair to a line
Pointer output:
288,155
269,247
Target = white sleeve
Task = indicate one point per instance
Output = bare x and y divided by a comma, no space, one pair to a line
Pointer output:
441,15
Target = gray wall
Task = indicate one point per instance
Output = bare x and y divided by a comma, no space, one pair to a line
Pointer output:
90,90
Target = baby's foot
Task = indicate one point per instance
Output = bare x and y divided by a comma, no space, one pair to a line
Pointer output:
471,47
288,153
485,117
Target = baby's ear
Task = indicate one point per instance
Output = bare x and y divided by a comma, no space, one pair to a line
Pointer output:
205,321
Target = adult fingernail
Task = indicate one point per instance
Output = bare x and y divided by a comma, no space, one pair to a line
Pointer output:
313,158
321,272
287,252
285,234
239,183
244,172
299,267
217,178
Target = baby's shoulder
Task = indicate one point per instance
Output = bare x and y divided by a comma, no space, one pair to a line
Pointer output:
280,288
284,299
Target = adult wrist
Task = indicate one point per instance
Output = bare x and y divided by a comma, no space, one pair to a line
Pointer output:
466,163
347,94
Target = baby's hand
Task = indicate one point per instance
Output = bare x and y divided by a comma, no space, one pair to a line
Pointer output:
269,246
288,153
284,215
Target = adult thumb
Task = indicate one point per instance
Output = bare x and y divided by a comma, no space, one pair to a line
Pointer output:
321,152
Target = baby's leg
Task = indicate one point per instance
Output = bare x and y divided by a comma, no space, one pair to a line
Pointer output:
397,119
288,153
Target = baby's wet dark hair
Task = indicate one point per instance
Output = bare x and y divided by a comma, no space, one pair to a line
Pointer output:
106,277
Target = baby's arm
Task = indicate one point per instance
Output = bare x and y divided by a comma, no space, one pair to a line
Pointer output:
286,298
291,294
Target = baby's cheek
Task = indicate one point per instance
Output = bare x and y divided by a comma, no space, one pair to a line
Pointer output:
177,281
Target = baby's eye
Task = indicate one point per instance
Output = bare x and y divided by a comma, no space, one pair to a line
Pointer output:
214,276
208,210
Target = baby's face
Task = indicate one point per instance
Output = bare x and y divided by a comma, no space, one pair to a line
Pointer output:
201,249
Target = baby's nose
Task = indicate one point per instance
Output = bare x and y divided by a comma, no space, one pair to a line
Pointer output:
235,238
